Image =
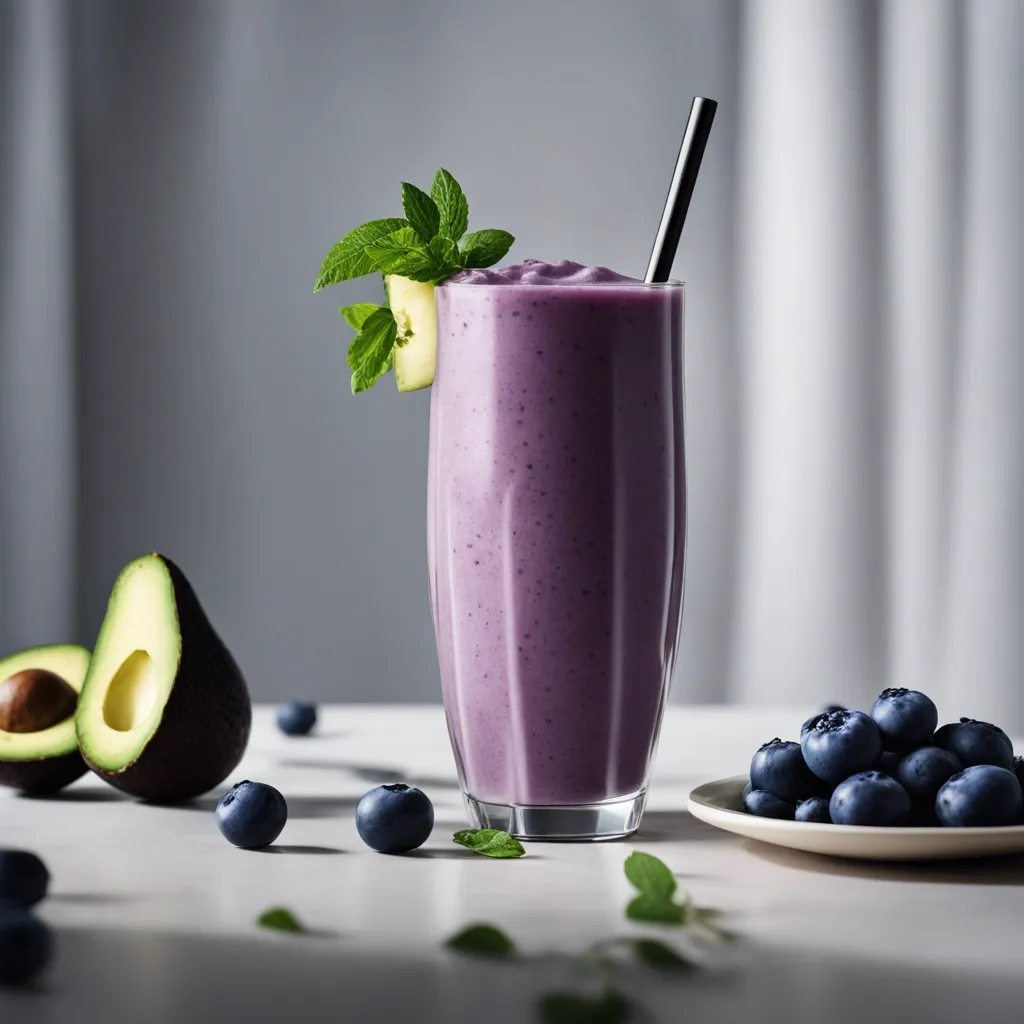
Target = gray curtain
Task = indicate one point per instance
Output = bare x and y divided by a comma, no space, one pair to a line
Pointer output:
170,174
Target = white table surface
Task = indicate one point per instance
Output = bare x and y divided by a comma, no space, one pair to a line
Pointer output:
154,912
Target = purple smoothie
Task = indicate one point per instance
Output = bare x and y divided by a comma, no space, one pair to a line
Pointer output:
557,525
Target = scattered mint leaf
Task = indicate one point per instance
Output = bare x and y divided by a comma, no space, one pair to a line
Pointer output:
655,910
282,920
451,204
482,940
355,316
420,211
490,842
370,354
610,1007
649,875
661,957
485,248
348,259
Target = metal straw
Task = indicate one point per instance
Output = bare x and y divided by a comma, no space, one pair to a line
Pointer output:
684,177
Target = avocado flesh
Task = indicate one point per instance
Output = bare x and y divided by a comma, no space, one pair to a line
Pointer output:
43,762
415,352
164,713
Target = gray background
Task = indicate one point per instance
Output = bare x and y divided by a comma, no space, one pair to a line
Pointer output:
173,173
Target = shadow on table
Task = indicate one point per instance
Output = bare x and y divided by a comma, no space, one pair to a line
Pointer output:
675,827
1008,870
79,796
108,976
298,849
377,774
298,806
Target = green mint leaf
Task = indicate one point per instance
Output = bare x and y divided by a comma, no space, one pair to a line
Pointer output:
282,920
452,205
610,1007
370,354
655,910
355,316
482,940
661,957
649,875
485,248
490,842
420,211
348,259
447,253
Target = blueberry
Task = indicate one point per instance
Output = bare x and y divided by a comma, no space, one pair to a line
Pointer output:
23,878
923,773
982,795
1018,768
395,818
869,798
767,805
25,944
815,809
296,718
780,768
887,762
251,815
833,707
905,718
837,744
976,743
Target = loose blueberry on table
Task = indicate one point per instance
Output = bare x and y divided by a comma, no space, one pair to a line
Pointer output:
296,718
251,815
395,818
23,878
25,944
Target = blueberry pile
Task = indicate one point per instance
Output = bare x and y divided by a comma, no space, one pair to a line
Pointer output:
891,767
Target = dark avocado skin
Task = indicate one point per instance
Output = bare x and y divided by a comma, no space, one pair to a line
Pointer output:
207,717
42,777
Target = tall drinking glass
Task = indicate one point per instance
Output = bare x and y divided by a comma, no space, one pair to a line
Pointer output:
557,532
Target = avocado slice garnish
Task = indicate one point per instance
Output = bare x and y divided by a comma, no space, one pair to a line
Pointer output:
164,713
43,760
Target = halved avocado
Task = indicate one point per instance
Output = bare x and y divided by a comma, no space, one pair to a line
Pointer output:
415,352
164,713
45,760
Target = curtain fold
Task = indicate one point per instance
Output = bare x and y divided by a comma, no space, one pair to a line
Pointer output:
37,369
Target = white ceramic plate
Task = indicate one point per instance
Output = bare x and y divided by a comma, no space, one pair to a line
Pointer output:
721,804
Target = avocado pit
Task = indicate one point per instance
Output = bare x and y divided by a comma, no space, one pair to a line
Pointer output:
35,699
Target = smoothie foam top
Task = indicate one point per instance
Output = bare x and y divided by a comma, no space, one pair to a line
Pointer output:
536,272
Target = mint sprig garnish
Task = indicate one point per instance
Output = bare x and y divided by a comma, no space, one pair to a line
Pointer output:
429,244
482,940
489,842
281,919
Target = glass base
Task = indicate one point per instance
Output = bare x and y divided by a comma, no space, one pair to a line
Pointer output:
609,819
